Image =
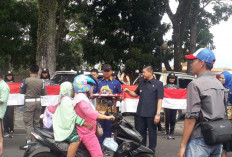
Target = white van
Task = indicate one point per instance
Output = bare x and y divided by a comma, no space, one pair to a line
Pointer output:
182,80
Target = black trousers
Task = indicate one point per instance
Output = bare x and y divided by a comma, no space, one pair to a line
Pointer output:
142,124
8,120
170,120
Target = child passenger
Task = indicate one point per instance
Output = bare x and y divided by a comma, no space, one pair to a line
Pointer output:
65,119
83,86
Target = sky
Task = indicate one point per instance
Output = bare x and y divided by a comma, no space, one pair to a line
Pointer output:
222,39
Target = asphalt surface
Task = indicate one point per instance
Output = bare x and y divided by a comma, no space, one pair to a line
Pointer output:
165,148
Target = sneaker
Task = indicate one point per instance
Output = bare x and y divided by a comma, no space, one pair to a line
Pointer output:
23,147
11,135
6,135
171,137
166,137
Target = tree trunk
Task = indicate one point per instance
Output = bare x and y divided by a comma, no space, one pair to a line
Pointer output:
46,48
177,48
167,65
179,22
61,25
193,39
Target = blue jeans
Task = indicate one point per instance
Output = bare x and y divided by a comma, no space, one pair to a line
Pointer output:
198,148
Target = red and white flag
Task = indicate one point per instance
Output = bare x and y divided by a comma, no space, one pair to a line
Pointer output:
175,98
18,99
129,103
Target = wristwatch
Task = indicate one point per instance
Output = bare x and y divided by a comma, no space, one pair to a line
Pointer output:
158,114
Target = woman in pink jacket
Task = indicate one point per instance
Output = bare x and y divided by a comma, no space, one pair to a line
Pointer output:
83,86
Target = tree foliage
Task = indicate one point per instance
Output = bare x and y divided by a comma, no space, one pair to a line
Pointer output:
17,33
126,32
192,23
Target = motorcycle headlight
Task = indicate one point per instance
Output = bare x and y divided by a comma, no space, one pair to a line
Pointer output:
126,146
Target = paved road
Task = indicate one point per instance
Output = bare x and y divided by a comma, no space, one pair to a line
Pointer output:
165,148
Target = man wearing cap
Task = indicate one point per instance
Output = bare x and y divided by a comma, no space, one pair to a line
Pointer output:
4,93
107,85
33,88
205,101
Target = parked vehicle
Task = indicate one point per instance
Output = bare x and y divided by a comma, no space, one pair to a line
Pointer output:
182,80
62,76
45,138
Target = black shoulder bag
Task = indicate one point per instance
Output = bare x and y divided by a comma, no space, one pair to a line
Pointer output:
217,131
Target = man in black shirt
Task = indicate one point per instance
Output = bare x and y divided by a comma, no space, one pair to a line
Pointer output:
151,93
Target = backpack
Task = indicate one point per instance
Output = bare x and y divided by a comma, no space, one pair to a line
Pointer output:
48,115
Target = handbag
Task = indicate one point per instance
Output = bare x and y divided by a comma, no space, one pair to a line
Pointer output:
217,132
99,130
48,115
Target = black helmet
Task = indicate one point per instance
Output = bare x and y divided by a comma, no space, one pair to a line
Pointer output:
9,73
171,75
45,70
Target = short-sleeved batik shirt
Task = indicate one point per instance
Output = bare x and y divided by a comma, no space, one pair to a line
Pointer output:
4,93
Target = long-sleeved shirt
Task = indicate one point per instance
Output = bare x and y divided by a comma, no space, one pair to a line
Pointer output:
205,100
85,111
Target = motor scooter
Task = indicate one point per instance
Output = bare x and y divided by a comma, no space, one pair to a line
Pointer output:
126,136
128,140
45,138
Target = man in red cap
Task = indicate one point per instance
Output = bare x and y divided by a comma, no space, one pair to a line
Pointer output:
205,101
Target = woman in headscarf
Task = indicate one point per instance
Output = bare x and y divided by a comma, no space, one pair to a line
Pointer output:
226,79
65,120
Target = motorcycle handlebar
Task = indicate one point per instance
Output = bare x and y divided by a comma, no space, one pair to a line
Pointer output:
118,116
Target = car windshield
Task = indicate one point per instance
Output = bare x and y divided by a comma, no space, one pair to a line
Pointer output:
60,78
183,82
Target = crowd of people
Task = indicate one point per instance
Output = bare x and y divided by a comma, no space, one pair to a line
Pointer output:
79,111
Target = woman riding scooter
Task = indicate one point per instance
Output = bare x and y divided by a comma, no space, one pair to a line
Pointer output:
83,86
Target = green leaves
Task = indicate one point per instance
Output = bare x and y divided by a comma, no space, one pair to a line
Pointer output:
122,32
18,25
